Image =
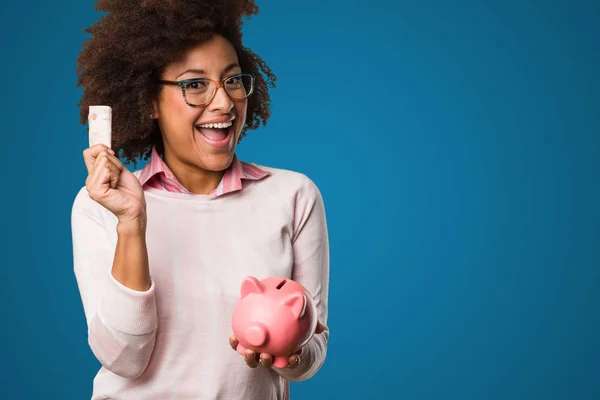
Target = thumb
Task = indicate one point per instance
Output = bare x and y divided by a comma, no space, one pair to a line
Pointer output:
320,328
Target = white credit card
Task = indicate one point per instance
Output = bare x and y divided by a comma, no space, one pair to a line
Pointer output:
100,125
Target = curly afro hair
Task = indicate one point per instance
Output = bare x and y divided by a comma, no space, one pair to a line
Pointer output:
129,49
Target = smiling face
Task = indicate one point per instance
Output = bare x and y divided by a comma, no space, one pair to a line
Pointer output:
196,149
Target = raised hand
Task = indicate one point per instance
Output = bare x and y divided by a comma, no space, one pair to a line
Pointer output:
113,186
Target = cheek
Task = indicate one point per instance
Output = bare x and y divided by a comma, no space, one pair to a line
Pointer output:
241,111
178,117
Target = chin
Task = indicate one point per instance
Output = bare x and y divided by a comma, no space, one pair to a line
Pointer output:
218,163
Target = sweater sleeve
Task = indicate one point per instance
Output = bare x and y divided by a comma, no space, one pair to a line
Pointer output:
121,322
311,270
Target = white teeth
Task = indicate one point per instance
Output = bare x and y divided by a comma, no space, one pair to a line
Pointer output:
219,125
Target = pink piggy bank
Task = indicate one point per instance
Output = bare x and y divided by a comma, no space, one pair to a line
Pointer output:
275,316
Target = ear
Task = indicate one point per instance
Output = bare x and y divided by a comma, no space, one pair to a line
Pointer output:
251,285
297,302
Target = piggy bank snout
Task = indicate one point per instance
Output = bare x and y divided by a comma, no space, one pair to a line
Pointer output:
256,334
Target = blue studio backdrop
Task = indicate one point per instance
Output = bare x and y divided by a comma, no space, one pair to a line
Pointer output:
456,145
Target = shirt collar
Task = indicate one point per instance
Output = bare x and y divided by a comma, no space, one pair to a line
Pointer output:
157,174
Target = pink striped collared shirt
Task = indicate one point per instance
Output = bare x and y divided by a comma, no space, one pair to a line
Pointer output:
158,175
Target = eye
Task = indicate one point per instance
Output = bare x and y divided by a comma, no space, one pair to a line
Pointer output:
196,85
234,81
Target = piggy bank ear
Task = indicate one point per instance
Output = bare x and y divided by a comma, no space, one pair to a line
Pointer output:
297,302
252,285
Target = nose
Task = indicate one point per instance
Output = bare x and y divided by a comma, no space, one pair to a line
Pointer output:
221,102
256,334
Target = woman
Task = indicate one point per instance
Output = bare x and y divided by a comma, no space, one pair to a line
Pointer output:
160,253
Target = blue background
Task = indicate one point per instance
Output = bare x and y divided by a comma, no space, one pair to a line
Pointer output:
457,147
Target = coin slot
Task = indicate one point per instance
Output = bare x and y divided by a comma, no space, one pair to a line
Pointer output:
281,284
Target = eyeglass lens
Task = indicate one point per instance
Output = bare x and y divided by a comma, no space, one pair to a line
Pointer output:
237,87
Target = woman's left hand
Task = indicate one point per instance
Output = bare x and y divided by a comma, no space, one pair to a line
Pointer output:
254,359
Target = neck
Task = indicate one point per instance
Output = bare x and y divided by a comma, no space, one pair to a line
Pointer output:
195,179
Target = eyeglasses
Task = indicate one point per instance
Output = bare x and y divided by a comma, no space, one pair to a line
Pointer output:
199,92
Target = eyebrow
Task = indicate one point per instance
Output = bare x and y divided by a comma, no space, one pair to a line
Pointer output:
202,72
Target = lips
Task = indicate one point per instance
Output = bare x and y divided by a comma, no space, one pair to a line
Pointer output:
217,132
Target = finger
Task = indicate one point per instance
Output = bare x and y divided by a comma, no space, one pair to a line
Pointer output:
90,154
320,328
110,157
104,175
97,171
251,358
113,176
117,166
294,361
106,170
113,159
266,360
233,342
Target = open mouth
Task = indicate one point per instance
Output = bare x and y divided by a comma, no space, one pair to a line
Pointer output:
216,134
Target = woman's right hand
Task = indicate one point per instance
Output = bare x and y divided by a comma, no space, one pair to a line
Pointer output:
113,186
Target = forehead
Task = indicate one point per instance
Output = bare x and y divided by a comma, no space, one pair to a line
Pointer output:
211,56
